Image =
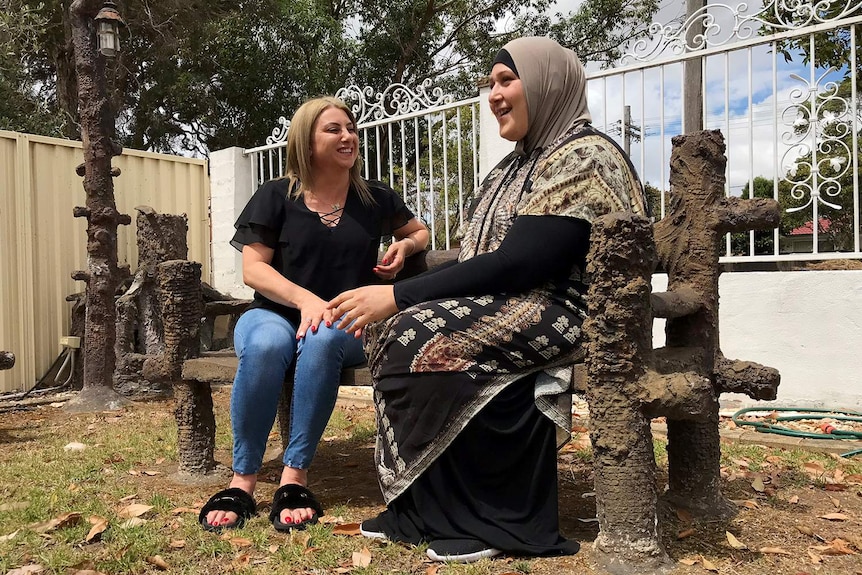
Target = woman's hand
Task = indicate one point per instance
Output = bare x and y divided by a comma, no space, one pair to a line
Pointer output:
361,306
312,310
393,259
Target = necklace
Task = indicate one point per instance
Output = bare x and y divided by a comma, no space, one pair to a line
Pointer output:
335,206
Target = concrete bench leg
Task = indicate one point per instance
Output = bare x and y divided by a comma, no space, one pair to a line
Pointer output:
195,427
694,460
619,342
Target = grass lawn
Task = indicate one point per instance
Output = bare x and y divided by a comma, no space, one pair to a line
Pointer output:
99,493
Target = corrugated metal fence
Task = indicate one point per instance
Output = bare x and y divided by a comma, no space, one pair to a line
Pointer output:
41,244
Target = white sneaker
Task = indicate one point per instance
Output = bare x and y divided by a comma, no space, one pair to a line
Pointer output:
459,550
371,529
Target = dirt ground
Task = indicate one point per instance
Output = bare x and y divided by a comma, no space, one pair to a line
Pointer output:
792,519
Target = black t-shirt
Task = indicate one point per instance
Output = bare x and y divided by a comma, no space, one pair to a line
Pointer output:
324,260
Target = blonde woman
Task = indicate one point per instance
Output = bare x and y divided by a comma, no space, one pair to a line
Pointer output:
304,239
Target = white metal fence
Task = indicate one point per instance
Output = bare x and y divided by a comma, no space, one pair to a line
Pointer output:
780,82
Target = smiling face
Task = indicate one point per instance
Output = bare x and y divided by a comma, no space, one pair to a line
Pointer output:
508,103
335,142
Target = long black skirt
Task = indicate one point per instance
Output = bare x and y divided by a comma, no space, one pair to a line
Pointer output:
497,482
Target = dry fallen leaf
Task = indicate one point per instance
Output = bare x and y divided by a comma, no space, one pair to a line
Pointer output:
684,515
74,446
241,560
128,497
813,468
133,522
362,558
180,510
757,485
331,519
834,517
11,536
15,506
26,569
134,510
346,529
300,538
685,533
815,558
240,542
774,551
158,562
432,569
149,472
707,564
58,522
177,543
793,500
749,504
273,548
689,562
835,547
99,525
734,542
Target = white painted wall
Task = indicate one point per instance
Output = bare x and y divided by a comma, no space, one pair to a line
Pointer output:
492,147
230,190
806,324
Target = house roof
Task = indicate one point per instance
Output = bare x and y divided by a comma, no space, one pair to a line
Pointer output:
808,228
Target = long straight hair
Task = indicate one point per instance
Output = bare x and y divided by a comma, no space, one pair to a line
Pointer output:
299,141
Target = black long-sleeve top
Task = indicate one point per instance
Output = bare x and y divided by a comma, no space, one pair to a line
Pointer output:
536,249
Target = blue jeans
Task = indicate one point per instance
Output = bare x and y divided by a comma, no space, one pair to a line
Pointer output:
266,346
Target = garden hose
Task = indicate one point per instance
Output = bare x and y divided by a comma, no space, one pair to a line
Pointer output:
830,432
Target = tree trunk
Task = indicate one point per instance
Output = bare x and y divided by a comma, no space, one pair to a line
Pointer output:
103,274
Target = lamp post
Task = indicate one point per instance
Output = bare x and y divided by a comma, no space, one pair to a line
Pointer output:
108,22
95,36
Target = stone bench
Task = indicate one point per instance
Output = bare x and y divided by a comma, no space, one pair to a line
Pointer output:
627,382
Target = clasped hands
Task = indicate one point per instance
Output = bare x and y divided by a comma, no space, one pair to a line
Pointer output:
358,307
361,306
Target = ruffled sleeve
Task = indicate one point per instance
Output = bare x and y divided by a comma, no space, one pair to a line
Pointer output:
263,217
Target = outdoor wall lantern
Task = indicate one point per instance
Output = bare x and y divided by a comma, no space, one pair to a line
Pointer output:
108,21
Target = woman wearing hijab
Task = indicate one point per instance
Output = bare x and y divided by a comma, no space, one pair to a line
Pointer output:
470,370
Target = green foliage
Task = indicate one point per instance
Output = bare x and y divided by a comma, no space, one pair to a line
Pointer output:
24,106
653,196
740,242
199,76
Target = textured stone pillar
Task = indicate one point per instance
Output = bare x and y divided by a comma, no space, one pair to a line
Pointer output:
619,335
179,295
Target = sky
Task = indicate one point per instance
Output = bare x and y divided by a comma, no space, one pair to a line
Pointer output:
753,97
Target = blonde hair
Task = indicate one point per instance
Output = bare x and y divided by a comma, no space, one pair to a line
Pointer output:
299,141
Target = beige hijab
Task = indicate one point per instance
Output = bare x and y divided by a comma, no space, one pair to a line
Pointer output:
555,86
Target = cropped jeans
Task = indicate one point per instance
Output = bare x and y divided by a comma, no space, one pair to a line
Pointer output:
266,346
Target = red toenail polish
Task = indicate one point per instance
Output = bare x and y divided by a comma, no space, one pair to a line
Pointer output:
289,520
